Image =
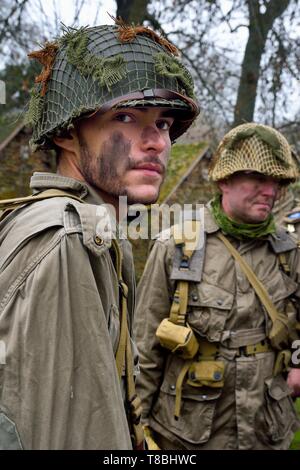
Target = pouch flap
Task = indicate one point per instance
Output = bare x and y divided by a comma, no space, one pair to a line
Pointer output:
277,387
206,370
194,393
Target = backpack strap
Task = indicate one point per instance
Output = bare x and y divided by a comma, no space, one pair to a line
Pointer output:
284,263
8,205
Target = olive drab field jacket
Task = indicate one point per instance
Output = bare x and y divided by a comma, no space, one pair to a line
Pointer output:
59,322
252,409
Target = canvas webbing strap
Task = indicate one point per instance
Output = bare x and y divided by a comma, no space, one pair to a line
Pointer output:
124,356
252,278
10,204
179,384
179,305
186,237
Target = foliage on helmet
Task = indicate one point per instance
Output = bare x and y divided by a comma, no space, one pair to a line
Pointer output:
88,68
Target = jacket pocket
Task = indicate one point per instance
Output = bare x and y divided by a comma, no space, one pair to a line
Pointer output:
9,437
276,420
197,408
209,307
280,287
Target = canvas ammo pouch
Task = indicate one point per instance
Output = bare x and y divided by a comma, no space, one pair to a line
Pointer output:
204,372
177,338
208,373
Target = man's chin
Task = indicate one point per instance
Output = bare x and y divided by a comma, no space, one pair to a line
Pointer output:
258,219
142,198
146,201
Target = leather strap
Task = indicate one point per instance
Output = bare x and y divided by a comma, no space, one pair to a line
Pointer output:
150,94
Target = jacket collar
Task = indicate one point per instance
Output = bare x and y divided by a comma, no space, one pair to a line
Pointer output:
210,225
42,181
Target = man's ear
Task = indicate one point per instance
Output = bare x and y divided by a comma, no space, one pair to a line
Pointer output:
68,142
222,185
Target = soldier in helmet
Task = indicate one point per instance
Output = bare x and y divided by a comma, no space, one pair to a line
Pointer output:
109,100
217,319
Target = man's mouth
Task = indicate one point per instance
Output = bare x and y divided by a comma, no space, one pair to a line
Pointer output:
267,205
150,167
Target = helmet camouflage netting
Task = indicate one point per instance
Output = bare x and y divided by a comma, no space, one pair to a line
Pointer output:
95,68
254,147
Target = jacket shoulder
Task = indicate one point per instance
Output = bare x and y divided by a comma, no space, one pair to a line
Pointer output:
61,214
282,241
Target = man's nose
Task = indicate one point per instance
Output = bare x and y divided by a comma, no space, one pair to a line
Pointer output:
152,139
270,189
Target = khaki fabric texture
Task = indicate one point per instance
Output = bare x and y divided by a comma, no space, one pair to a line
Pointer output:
253,410
265,151
59,320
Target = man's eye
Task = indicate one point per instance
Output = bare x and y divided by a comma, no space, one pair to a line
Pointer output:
123,117
164,125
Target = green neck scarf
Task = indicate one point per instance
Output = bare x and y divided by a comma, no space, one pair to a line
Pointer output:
240,230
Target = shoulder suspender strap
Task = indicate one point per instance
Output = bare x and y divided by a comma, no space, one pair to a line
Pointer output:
134,401
120,354
179,305
252,278
279,331
124,357
8,205
48,193
187,267
283,263
188,261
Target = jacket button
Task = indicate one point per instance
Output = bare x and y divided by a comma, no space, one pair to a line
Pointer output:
98,241
219,302
172,387
195,297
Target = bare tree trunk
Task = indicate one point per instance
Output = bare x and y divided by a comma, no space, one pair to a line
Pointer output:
132,11
259,27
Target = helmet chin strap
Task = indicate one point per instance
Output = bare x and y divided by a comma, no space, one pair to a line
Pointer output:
184,121
149,94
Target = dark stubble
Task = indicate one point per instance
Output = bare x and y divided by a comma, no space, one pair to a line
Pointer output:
106,170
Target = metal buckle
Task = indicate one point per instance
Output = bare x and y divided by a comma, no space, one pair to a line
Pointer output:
242,351
148,93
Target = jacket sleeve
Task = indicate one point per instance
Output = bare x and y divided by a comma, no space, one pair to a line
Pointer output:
154,295
60,386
